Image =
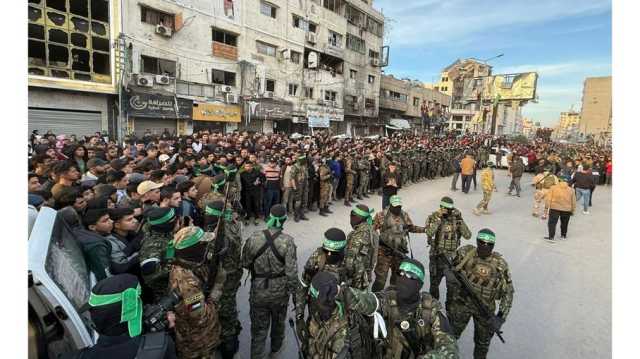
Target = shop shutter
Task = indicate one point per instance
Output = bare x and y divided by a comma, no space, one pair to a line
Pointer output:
79,123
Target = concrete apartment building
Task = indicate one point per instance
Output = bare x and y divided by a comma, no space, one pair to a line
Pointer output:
568,126
72,66
407,104
597,109
257,65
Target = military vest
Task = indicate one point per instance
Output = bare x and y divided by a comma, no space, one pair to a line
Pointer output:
329,340
391,233
447,238
483,274
410,332
321,266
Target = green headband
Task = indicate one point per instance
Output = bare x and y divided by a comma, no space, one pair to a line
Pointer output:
164,219
228,213
364,214
219,184
334,246
314,293
275,222
446,204
395,201
486,237
131,307
227,172
412,268
185,243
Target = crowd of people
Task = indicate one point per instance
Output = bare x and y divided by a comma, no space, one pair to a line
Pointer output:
164,215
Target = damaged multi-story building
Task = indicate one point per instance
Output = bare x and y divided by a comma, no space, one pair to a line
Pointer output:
409,105
72,66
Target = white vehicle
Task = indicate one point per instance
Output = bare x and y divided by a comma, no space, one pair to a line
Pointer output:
504,163
59,285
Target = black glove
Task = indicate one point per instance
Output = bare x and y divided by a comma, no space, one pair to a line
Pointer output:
496,322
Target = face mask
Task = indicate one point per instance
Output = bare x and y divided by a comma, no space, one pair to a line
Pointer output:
355,221
484,249
334,258
408,291
195,253
395,210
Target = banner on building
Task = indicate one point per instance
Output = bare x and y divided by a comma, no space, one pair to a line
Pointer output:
216,112
321,116
269,109
140,104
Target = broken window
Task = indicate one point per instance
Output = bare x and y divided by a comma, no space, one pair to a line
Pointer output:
81,77
36,71
37,53
297,21
60,5
34,14
221,77
356,44
78,40
330,95
100,44
270,85
60,73
155,17
100,10
55,18
225,37
98,28
153,65
59,36
80,24
36,31
80,60
335,39
293,89
80,7
58,56
101,63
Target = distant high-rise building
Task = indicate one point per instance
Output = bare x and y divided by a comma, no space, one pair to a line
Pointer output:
596,107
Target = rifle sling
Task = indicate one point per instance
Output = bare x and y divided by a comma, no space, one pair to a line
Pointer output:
269,244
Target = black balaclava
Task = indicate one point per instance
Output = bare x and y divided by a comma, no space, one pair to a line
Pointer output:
334,258
408,289
396,211
333,244
323,290
449,202
195,253
107,317
355,219
211,215
485,241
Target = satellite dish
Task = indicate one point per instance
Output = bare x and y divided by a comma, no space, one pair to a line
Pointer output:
312,60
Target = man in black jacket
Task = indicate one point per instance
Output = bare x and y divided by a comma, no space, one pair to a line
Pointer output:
517,169
125,241
252,181
583,181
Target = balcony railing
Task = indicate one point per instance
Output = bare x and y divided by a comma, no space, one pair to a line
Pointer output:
225,51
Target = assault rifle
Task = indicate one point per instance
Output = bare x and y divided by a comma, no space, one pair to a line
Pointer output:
475,298
295,334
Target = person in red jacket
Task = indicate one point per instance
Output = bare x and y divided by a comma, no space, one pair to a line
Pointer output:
609,171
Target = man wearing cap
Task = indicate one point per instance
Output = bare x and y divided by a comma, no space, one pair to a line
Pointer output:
230,234
543,181
149,192
393,224
161,224
327,258
115,308
270,257
197,281
300,177
444,228
362,248
96,168
488,273
488,185
560,203
415,324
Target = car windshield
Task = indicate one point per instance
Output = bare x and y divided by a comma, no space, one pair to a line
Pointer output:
65,262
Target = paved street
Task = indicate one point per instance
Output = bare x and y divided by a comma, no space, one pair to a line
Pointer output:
562,303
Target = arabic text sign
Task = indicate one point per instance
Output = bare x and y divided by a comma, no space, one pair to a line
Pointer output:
158,106
272,110
203,111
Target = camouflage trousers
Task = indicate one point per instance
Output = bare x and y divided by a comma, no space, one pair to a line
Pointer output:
363,184
484,203
437,267
325,194
263,316
301,195
348,192
228,311
538,202
213,354
459,313
386,260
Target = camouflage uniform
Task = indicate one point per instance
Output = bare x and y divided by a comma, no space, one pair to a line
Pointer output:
360,255
300,175
324,172
231,263
443,235
393,243
364,166
491,280
197,323
428,334
153,249
274,277
404,168
350,174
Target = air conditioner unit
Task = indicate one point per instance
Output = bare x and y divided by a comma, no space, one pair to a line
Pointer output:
225,88
163,30
144,80
268,94
311,38
232,98
375,62
163,80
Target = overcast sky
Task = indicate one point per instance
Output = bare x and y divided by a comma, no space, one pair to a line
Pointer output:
564,41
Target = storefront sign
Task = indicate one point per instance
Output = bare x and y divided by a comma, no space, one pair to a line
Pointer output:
159,106
204,111
271,110
320,116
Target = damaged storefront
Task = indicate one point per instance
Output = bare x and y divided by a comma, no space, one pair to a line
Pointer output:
156,113
216,117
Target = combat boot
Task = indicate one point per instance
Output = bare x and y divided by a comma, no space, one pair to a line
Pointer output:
326,210
302,216
296,215
322,212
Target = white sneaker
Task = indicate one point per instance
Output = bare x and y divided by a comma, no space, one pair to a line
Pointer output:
585,212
